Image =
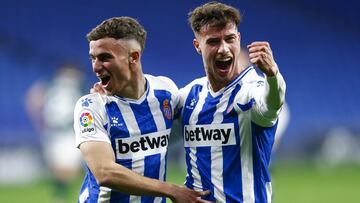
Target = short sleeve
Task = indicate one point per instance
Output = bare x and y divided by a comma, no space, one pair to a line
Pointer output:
90,120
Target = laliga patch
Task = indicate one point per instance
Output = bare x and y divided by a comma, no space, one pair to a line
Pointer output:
87,126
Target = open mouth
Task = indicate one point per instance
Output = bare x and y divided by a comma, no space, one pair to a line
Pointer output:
224,63
105,80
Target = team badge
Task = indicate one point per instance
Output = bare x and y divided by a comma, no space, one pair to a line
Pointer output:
166,109
87,122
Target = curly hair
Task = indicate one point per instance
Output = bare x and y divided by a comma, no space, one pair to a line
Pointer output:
214,14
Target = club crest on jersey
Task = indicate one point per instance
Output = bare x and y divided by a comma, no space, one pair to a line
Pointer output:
87,122
86,102
167,109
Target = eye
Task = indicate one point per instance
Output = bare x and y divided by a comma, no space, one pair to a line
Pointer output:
231,39
105,57
212,42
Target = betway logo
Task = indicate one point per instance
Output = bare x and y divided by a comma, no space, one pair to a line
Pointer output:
142,145
209,135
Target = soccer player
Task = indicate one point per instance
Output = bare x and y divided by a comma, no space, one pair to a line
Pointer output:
123,134
229,117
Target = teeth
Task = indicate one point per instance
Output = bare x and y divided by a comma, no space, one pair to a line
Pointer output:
224,59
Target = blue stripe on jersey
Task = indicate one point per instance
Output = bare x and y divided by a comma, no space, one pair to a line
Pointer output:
231,156
152,170
119,197
164,177
115,117
203,154
247,106
90,183
189,178
162,95
190,103
263,140
144,117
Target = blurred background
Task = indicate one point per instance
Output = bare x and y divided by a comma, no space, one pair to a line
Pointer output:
44,54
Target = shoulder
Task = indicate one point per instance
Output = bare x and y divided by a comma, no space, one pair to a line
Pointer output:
251,77
161,83
199,82
92,101
194,86
252,84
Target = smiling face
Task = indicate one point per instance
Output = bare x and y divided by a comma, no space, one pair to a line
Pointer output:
111,64
220,50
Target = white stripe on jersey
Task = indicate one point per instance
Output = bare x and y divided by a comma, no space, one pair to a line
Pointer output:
129,118
194,117
246,156
84,195
268,191
104,195
217,154
155,108
194,170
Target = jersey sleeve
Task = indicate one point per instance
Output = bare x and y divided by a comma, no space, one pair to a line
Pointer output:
263,97
269,98
90,120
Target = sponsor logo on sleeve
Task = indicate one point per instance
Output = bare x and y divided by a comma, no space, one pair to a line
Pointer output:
209,135
87,122
142,145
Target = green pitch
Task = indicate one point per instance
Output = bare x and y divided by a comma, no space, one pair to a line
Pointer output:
291,184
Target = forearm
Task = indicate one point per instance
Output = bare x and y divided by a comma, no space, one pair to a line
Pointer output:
275,91
124,180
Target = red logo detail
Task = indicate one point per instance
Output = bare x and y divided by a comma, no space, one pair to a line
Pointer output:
167,109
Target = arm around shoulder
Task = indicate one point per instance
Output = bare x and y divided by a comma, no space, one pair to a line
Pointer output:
100,158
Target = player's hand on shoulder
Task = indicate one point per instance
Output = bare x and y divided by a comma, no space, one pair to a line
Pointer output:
97,88
261,55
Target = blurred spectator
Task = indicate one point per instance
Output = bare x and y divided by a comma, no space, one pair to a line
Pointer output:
50,106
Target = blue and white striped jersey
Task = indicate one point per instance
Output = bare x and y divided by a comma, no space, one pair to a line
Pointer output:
138,131
228,136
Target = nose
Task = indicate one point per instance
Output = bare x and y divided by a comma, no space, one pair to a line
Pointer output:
223,48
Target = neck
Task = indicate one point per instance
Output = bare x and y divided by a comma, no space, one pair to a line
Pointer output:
135,90
136,86
217,85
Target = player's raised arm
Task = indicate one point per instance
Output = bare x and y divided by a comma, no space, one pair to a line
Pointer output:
261,55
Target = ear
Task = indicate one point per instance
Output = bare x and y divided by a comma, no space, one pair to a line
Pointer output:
134,57
197,46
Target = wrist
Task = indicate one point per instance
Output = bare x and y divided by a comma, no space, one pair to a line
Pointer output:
169,190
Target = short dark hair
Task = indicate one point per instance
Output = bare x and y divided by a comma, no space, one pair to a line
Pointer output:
119,28
214,14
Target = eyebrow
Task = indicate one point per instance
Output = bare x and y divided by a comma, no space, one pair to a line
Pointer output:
101,56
